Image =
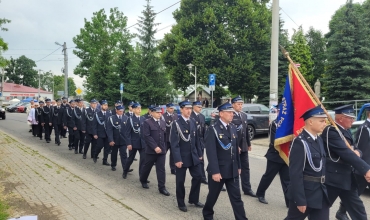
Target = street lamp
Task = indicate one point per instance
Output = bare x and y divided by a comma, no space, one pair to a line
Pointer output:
190,66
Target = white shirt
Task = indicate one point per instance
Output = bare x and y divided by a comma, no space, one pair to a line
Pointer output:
186,119
225,124
313,137
368,119
196,113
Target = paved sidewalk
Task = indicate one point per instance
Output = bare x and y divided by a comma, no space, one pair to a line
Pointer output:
51,191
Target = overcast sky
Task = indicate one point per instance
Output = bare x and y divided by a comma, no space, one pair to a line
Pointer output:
37,24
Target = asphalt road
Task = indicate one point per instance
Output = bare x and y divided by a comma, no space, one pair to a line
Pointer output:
148,202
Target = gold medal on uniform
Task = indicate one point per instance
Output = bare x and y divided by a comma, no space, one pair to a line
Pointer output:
221,136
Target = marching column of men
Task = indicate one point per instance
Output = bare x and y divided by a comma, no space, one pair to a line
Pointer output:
311,185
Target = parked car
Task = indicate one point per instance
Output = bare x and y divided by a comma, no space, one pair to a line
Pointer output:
2,113
177,109
257,116
23,108
14,107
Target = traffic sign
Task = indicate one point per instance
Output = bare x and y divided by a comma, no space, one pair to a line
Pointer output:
212,82
60,93
78,91
121,88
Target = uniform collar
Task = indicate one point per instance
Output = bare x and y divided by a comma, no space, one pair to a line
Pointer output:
196,113
312,136
224,124
185,119
368,120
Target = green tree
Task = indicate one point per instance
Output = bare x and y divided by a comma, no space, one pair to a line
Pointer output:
300,53
348,54
59,86
228,38
100,45
148,82
46,81
3,45
317,43
21,71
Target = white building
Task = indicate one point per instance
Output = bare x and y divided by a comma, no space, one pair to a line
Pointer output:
12,90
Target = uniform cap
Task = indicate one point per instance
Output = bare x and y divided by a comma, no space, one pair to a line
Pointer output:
316,112
131,103
58,100
119,107
237,99
41,102
135,105
345,110
71,101
151,107
102,102
170,105
157,109
197,103
47,100
77,100
119,102
64,98
93,101
185,104
226,107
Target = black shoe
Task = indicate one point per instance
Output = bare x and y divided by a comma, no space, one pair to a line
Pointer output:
124,175
75,152
113,168
70,148
135,159
47,141
173,172
197,204
145,185
250,193
80,152
64,136
40,138
106,163
94,159
184,209
147,181
164,192
130,170
341,214
205,182
262,200
59,144
223,189
84,156
30,130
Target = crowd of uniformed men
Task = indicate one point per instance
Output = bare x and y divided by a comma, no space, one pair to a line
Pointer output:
322,168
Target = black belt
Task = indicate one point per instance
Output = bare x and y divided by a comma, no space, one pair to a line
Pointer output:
318,179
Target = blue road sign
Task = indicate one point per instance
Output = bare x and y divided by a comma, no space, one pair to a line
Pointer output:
121,88
212,79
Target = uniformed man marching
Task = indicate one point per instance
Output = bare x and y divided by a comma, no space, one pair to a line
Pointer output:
187,154
81,114
244,144
47,119
307,192
102,142
340,179
75,116
130,111
224,163
275,165
134,139
39,117
154,134
200,121
169,116
115,127
58,118
69,111
64,106
89,126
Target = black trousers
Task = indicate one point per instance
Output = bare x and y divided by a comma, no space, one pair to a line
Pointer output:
63,132
245,174
35,130
81,140
89,138
171,162
272,169
131,157
102,143
313,214
47,128
196,180
76,139
350,200
361,184
57,129
122,153
233,190
71,137
40,130
159,160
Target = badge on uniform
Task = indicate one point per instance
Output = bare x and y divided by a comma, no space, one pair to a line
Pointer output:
221,127
234,136
221,135
186,131
116,123
196,122
169,121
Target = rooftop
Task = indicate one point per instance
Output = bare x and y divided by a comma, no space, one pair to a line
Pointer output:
12,87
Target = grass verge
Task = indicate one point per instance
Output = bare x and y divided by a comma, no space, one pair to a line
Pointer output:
4,208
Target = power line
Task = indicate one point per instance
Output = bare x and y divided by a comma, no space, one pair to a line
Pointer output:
165,27
289,17
50,54
158,12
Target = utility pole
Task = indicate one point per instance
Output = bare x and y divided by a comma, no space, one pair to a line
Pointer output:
274,56
65,71
39,84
